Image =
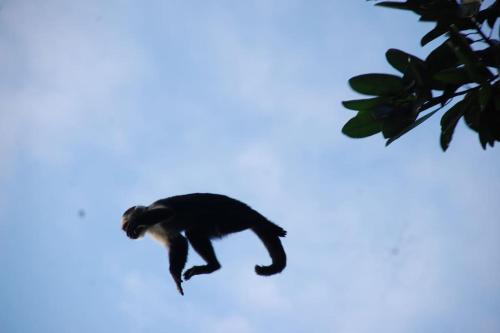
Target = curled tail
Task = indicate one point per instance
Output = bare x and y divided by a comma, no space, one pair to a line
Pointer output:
269,233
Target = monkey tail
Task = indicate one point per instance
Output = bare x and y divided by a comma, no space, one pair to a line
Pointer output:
270,233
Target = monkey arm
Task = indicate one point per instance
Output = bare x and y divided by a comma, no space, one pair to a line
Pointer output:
177,257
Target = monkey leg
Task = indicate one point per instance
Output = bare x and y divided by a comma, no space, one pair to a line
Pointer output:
177,257
203,246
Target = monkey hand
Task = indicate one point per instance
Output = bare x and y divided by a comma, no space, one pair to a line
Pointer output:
178,282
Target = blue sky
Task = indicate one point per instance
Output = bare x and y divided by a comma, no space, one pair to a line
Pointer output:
108,104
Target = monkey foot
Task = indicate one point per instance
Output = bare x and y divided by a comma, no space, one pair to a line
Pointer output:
196,270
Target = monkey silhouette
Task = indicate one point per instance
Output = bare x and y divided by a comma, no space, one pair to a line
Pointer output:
202,217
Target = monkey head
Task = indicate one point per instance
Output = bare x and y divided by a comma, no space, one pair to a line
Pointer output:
130,216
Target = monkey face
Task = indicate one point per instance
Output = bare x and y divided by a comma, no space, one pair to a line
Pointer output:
130,215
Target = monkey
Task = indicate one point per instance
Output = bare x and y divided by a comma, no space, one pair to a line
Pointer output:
198,218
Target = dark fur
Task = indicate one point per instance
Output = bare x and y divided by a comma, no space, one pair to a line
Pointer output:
202,217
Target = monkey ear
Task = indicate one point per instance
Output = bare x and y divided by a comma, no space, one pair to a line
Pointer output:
134,210
129,211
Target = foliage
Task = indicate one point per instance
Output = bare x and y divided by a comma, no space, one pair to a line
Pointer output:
464,69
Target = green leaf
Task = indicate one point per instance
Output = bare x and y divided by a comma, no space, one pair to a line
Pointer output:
461,46
458,76
398,121
472,111
448,123
496,98
385,111
397,5
363,104
484,95
400,60
494,115
377,84
438,31
491,55
485,136
470,9
448,94
362,126
410,127
442,11
489,124
417,71
442,57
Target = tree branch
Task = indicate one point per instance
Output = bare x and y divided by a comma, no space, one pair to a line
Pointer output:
441,99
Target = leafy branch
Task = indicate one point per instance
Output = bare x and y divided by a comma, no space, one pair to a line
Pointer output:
460,70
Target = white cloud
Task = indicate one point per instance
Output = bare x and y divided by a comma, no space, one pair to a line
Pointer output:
258,294
261,169
147,299
65,70
266,74
227,325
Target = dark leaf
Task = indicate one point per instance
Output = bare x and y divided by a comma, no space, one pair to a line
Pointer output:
400,60
408,5
442,11
484,96
491,55
397,122
448,123
446,11
448,94
472,111
455,76
429,10
361,126
485,136
475,69
470,9
438,31
377,84
438,85
417,71
410,127
363,104
442,57
489,124
496,97
494,111
384,111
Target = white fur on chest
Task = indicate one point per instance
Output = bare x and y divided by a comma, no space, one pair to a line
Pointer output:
159,233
